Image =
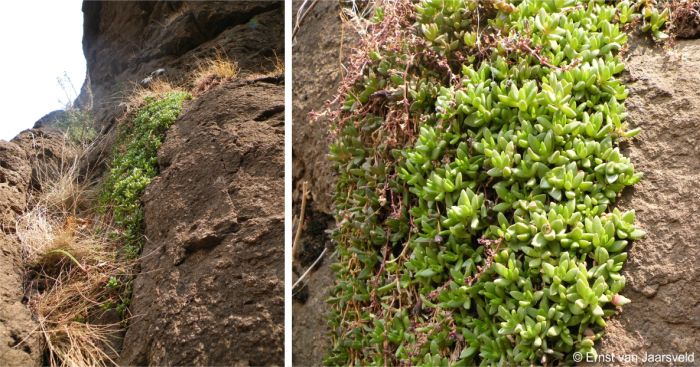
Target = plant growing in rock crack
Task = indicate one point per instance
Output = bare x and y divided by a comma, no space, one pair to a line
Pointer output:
478,160
70,263
135,164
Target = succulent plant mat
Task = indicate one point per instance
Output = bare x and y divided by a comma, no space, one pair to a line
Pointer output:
478,160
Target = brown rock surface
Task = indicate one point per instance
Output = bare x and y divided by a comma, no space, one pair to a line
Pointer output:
48,153
124,42
211,287
211,291
317,72
19,342
662,272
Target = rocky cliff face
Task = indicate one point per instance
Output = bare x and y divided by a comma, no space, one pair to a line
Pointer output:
15,320
124,42
21,160
210,290
317,51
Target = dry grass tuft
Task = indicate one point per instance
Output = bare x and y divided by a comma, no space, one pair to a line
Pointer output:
67,313
278,66
49,240
212,72
79,344
156,89
275,70
50,224
73,272
59,181
35,230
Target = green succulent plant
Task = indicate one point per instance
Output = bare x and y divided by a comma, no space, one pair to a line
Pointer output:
135,164
478,165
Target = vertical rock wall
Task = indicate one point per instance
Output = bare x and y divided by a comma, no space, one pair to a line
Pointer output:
19,342
30,154
319,46
211,290
125,41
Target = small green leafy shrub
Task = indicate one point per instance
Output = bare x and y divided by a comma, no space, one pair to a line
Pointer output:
121,288
135,164
478,163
